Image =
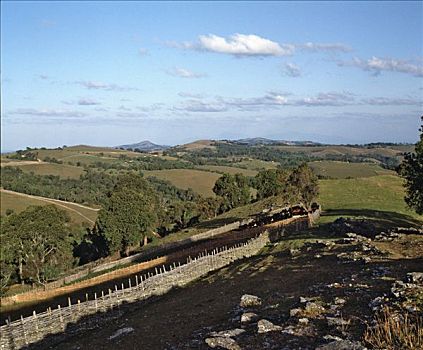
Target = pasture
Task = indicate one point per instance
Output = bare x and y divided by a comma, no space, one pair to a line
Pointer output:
79,215
380,198
228,169
62,170
343,170
199,181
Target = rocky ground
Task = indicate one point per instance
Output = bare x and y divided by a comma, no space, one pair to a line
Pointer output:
304,292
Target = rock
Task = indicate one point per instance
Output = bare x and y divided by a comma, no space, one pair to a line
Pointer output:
342,345
303,320
228,333
121,332
340,301
337,321
248,317
415,277
313,309
303,300
294,312
248,300
223,342
265,326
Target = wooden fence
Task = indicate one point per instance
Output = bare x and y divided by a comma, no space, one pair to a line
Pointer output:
25,331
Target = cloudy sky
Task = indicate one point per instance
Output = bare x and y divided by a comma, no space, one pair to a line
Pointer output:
109,73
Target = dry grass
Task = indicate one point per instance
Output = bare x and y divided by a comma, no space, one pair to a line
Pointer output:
395,331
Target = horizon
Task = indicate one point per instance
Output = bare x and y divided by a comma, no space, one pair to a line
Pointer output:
113,73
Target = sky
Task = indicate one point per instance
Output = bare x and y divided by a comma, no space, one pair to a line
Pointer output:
111,73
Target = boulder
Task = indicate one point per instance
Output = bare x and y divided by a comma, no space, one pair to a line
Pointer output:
121,332
223,342
248,317
228,333
342,345
248,300
265,326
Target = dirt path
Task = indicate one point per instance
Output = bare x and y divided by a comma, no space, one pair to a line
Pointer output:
57,202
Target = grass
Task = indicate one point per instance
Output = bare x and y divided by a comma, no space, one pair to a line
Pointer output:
257,164
342,170
393,331
228,169
201,182
380,198
19,203
62,170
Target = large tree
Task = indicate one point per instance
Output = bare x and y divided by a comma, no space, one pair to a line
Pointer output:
233,189
411,169
39,241
129,214
303,185
271,182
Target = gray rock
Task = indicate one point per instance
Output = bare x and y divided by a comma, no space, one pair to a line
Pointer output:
342,345
228,333
121,332
248,317
340,301
248,300
265,326
415,277
294,312
223,342
337,321
303,320
314,308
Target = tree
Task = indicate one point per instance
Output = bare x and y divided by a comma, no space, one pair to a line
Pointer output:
271,182
233,189
411,169
303,185
39,241
129,214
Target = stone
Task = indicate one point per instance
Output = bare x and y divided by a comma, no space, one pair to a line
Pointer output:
248,300
340,301
294,312
337,321
121,332
303,320
248,317
265,326
223,342
314,308
342,345
228,333
415,277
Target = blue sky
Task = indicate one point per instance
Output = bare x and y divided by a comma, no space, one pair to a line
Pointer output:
109,73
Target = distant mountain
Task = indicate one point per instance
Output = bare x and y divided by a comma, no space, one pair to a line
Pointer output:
146,146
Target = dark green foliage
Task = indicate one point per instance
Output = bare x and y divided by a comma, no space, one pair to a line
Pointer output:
303,185
36,244
271,182
129,214
411,169
233,189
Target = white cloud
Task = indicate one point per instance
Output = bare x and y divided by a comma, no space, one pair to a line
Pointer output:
292,70
315,47
377,65
98,85
184,73
88,102
243,45
47,112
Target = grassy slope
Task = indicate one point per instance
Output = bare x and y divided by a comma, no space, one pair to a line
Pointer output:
62,170
19,203
378,197
342,170
201,182
228,169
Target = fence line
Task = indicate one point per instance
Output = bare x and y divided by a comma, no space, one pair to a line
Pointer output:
22,332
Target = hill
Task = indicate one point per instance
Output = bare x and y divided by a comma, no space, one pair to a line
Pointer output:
145,146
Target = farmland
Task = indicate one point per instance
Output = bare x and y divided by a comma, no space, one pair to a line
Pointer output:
201,182
62,170
79,215
342,170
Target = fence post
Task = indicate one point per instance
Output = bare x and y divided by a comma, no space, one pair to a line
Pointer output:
96,302
110,299
36,322
136,281
23,330
61,317
70,308
129,283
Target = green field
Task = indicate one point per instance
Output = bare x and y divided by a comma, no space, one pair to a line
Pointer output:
228,169
79,215
257,164
380,198
62,170
343,170
201,182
